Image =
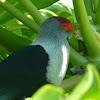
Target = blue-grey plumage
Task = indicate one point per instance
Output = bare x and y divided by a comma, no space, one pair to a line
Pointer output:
44,61
54,40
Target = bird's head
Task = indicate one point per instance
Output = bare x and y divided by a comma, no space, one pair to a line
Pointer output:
56,27
66,24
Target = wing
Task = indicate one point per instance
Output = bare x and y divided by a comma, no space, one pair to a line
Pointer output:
24,70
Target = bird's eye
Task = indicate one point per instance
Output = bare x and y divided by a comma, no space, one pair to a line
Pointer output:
65,25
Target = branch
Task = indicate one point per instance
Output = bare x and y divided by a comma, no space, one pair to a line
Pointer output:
29,6
95,4
76,59
90,39
97,19
19,15
4,12
89,8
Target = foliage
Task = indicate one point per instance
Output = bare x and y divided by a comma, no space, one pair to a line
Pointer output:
88,89
19,24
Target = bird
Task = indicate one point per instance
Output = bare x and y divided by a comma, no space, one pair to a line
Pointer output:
44,61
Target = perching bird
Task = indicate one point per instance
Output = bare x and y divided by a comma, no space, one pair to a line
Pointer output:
43,61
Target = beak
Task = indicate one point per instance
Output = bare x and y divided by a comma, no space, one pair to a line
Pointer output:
74,32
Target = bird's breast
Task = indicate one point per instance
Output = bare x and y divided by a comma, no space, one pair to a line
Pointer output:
57,66
58,60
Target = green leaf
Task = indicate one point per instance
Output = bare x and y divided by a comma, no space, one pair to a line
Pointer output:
95,4
38,3
74,43
11,41
1,58
3,55
47,13
13,26
97,18
20,16
89,87
18,28
61,10
4,15
43,3
31,8
89,7
48,92
71,82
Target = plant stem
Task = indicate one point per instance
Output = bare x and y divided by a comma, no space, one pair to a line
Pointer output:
76,59
29,6
97,19
95,4
98,66
89,8
19,15
90,39
4,12
71,82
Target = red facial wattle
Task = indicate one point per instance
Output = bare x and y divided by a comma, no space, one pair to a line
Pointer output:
68,26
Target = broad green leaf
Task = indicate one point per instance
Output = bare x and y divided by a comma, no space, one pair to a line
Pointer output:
13,26
11,41
48,92
61,10
1,58
71,82
43,3
18,28
3,55
47,13
89,87
29,34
